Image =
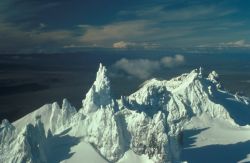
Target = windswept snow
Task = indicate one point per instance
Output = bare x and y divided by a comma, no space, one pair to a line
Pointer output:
188,118
87,154
130,156
99,93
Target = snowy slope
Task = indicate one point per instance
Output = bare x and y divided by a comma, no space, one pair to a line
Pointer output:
182,119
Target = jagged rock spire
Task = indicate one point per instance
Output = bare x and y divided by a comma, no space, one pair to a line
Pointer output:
67,107
5,123
99,93
102,81
6,131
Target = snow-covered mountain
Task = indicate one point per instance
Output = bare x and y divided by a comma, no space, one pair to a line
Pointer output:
164,121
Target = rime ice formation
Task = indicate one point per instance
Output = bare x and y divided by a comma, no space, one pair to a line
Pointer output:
99,93
26,146
146,126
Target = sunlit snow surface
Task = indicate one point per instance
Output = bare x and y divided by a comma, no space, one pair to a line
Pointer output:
188,118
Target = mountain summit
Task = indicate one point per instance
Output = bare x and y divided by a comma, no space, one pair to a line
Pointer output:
99,93
163,121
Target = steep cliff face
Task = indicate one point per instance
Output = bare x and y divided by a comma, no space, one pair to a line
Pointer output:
148,123
61,118
27,146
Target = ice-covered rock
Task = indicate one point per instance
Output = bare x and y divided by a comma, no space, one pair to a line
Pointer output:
27,146
99,93
102,130
148,123
7,132
148,135
60,118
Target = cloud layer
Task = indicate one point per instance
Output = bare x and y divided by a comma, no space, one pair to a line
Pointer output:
144,68
57,26
172,61
171,27
235,44
135,45
239,44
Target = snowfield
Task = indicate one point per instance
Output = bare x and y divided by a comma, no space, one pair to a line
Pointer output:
190,118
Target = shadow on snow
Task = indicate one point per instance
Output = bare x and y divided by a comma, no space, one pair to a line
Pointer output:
59,147
230,153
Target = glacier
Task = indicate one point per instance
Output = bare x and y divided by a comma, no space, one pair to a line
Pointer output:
150,125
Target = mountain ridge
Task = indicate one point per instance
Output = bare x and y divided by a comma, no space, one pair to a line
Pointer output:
147,124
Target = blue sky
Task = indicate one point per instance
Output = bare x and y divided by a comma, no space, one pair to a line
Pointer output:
54,26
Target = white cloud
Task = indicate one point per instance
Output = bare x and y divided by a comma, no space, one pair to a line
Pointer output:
140,68
232,44
143,45
239,43
158,23
173,61
123,45
81,46
141,27
137,30
133,29
145,68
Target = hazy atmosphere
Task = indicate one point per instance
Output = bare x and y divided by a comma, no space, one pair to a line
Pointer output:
53,26
29,81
